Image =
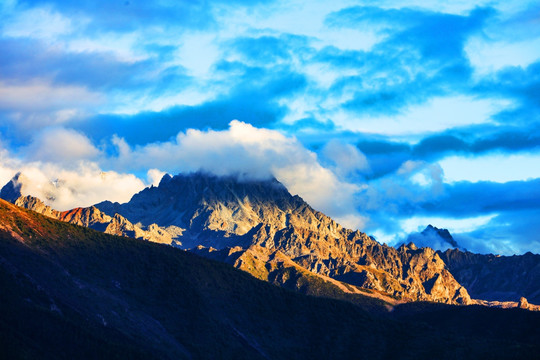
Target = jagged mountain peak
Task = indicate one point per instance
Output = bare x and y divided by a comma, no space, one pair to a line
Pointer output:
13,189
442,233
433,237
201,202
203,189
21,185
223,188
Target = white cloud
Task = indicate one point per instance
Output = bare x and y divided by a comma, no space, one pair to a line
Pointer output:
496,167
198,53
189,96
458,7
37,104
402,189
154,176
437,114
491,56
66,189
305,19
346,158
60,175
323,190
252,152
124,47
40,95
298,108
8,167
38,22
81,184
60,145
493,245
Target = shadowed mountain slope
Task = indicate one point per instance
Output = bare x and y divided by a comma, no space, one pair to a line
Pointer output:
494,277
76,292
155,299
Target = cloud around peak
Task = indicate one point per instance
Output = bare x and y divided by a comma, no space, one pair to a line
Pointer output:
245,150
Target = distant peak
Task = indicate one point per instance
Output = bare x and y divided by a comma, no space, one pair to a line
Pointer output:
443,233
13,189
165,179
432,237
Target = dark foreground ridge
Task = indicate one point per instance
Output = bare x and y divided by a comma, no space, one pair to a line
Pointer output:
72,292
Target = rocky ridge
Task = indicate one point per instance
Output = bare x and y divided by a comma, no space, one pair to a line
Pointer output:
90,217
494,277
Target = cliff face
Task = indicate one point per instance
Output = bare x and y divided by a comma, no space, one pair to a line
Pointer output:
262,221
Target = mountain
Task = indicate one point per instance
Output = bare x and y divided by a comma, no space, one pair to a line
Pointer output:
201,209
72,288
74,292
264,220
13,189
494,277
90,217
433,237
442,233
258,226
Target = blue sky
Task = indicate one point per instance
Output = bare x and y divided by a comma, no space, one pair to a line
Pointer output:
388,115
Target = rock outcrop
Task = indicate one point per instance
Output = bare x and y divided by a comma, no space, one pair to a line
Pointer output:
523,303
